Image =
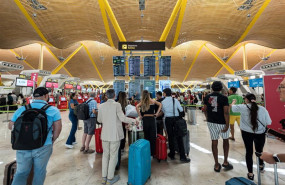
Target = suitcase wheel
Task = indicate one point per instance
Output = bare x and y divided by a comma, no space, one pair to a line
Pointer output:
158,160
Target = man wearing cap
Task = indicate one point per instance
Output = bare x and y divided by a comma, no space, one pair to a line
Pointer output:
216,108
37,157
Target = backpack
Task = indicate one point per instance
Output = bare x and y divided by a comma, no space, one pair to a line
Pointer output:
82,110
30,129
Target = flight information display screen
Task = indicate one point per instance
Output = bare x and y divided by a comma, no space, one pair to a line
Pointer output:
134,66
149,85
119,65
119,85
135,89
165,66
149,66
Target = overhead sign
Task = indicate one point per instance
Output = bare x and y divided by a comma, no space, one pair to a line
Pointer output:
141,46
163,84
235,84
51,85
165,66
68,86
257,82
149,66
24,82
78,87
34,77
134,66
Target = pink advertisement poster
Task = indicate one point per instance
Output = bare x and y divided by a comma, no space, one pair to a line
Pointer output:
274,96
34,77
30,83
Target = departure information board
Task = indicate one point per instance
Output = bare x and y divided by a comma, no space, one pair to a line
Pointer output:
135,89
164,66
119,65
149,66
149,85
119,85
134,66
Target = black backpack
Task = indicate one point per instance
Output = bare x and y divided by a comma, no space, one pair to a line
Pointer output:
30,129
82,110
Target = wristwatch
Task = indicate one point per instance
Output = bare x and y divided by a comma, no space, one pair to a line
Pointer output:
276,158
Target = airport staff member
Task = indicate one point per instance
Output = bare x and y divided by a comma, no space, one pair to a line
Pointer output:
37,157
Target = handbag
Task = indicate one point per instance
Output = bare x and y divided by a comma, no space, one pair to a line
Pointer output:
266,128
181,114
180,126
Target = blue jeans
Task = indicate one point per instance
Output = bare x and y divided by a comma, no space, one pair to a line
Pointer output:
74,121
26,158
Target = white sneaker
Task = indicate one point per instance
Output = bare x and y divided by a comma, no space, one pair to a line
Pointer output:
74,143
68,146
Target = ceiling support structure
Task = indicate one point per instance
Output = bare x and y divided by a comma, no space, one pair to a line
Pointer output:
31,21
193,62
179,23
245,64
58,61
228,59
106,23
219,60
66,60
254,20
93,62
27,63
41,60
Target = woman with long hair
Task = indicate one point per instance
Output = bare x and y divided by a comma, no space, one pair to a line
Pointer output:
254,120
73,118
146,111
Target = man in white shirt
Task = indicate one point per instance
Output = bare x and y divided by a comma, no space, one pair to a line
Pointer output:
111,116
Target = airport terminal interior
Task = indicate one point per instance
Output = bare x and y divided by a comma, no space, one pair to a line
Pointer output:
87,47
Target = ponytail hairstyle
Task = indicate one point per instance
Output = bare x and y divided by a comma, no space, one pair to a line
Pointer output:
253,110
145,103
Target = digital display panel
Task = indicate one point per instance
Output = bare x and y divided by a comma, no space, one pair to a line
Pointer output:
134,66
149,85
119,65
68,86
149,66
51,84
24,82
119,85
165,66
135,89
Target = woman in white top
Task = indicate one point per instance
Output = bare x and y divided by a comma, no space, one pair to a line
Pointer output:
254,119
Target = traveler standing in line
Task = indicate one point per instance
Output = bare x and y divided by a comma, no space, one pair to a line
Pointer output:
89,125
111,116
216,109
122,99
73,118
234,116
254,119
170,121
159,121
146,111
38,157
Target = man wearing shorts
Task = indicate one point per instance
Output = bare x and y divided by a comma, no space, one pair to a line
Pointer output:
216,108
89,125
234,116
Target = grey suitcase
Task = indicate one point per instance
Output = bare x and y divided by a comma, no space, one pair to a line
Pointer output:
186,144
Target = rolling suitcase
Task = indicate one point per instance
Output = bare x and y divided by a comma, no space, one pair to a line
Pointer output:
186,144
239,181
161,148
139,164
98,141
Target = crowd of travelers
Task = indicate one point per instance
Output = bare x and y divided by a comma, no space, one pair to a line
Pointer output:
117,113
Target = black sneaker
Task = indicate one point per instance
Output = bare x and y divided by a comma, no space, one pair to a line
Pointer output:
185,160
171,157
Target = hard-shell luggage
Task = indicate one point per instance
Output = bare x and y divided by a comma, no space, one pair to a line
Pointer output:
10,170
98,141
186,144
139,166
161,148
239,181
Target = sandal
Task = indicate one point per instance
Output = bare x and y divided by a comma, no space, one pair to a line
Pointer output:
219,168
261,167
82,149
228,166
250,177
89,151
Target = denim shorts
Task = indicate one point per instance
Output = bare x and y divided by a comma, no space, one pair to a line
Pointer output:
89,126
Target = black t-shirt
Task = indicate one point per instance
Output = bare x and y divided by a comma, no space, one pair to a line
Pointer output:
156,108
215,103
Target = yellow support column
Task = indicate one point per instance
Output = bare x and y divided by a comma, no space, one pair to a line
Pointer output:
66,60
221,62
41,59
245,64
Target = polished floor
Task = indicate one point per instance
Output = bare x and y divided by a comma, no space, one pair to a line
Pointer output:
70,167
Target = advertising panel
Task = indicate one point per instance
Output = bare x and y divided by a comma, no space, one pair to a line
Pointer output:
24,82
274,96
51,84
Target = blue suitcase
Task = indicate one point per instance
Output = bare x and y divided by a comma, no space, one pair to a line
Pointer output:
139,169
239,181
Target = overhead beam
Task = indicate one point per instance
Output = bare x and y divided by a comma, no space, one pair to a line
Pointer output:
245,64
170,21
254,20
221,62
93,62
228,60
272,51
27,63
66,60
179,23
193,62
106,23
31,21
114,21
58,61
